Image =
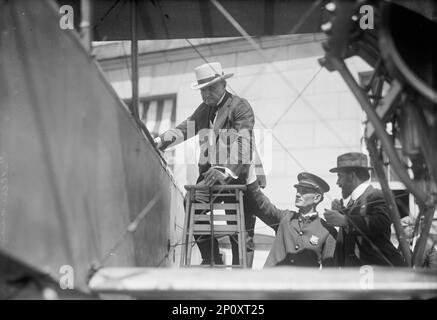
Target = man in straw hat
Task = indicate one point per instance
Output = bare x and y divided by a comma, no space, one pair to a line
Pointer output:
363,217
302,238
224,123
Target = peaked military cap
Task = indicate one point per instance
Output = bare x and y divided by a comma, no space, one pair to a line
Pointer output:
310,180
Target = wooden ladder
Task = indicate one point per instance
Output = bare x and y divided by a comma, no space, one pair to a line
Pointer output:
191,226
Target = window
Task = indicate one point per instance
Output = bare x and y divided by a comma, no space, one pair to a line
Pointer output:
158,113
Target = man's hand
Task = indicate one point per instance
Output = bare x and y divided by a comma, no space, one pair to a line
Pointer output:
335,218
202,195
158,142
213,176
168,138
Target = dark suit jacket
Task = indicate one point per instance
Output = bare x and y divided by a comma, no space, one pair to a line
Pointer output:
369,227
232,143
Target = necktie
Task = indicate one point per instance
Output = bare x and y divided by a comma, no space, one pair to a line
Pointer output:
212,113
308,217
213,110
357,238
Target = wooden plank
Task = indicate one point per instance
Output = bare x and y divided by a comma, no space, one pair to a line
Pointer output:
217,228
272,283
217,217
185,238
241,231
217,187
216,206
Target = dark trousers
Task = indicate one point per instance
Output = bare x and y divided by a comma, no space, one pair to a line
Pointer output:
204,241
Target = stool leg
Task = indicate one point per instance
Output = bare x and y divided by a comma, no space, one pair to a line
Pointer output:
239,238
211,220
242,228
190,239
185,243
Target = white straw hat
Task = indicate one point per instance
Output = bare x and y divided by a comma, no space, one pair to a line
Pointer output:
208,74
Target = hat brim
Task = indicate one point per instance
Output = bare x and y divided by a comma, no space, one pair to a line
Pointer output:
337,169
305,185
196,86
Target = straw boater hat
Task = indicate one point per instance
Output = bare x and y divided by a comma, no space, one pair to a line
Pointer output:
312,181
351,160
208,74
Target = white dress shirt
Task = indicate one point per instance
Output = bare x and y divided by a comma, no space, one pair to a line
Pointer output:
357,192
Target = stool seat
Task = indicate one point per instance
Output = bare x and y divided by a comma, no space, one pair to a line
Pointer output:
216,206
202,224
218,230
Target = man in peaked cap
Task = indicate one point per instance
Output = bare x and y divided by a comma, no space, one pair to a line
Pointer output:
231,120
362,215
302,238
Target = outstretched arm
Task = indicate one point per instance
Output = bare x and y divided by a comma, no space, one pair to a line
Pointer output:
263,208
185,130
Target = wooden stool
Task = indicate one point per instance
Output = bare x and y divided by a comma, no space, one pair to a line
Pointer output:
191,228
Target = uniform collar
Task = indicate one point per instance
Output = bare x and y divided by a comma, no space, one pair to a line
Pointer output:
308,216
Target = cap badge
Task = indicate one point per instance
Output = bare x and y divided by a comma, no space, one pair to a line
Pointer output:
314,240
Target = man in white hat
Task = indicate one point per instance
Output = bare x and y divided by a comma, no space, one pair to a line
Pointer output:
224,123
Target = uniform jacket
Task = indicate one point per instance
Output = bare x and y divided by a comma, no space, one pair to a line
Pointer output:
299,241
366,238
230,143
